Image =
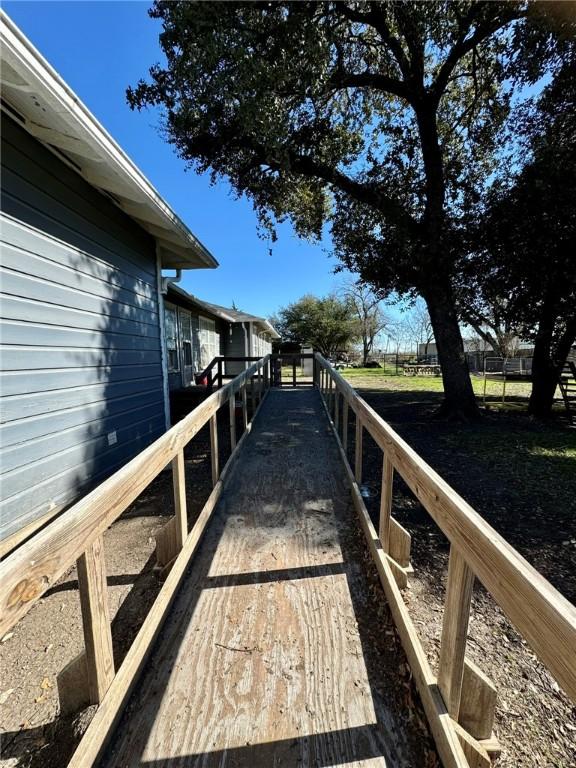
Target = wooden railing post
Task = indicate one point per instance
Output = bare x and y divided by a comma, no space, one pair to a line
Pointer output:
329,395
180,512
244,406
345,425
386,503
214,448
232,406
220,374
454,631
252,397
336,409
96,620
358,452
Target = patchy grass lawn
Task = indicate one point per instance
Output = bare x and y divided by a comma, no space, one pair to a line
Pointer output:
516,392
520,475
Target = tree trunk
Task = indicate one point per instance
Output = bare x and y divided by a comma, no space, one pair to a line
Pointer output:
547,363
365,352
459,398
544,383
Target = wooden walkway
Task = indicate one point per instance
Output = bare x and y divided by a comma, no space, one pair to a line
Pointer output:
270,643
268,657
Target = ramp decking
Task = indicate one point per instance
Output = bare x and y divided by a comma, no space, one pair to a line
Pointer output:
271,642
269,656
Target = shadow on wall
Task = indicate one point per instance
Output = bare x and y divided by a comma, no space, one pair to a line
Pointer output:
83,389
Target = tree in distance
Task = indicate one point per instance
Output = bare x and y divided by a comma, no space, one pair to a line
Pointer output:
327,324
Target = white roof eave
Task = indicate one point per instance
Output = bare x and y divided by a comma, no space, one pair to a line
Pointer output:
55,115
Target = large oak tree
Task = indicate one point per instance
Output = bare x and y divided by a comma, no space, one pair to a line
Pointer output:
320,110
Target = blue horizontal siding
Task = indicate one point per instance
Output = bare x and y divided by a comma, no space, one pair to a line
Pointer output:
81,382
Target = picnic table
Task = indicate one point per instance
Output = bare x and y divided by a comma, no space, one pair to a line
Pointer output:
422,369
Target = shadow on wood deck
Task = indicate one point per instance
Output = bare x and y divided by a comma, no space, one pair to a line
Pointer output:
274,653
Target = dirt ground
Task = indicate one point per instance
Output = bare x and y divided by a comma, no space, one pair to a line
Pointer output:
521,476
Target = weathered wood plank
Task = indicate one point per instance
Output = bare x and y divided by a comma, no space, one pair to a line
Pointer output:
232,408
262,662
180,511
244,407
345,425
455,631
166,548
477,702
107,715
96,620
336,409
476,755
400,543
441,724
358,453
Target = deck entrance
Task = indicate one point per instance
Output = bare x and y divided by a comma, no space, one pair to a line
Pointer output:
266,645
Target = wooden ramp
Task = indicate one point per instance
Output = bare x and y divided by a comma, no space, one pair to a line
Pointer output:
270,643
266,658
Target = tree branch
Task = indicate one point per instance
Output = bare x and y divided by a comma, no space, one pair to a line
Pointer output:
376,19
466,44
365,193
206,145
371,80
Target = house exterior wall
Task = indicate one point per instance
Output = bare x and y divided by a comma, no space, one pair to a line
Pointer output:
245,340
235,346
82,386
208,334
261,344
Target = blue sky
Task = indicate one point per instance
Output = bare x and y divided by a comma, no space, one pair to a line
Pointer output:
100,48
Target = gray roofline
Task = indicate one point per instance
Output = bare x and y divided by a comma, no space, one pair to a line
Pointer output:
225,313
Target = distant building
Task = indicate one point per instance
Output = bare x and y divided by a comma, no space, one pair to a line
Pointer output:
198,331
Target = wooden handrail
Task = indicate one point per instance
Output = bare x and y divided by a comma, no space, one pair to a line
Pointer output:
220,361
538,611
33,568
460,701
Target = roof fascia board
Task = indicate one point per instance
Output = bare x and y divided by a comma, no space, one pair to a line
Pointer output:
24,57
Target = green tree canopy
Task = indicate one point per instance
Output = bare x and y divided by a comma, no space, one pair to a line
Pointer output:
329,324
379,113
